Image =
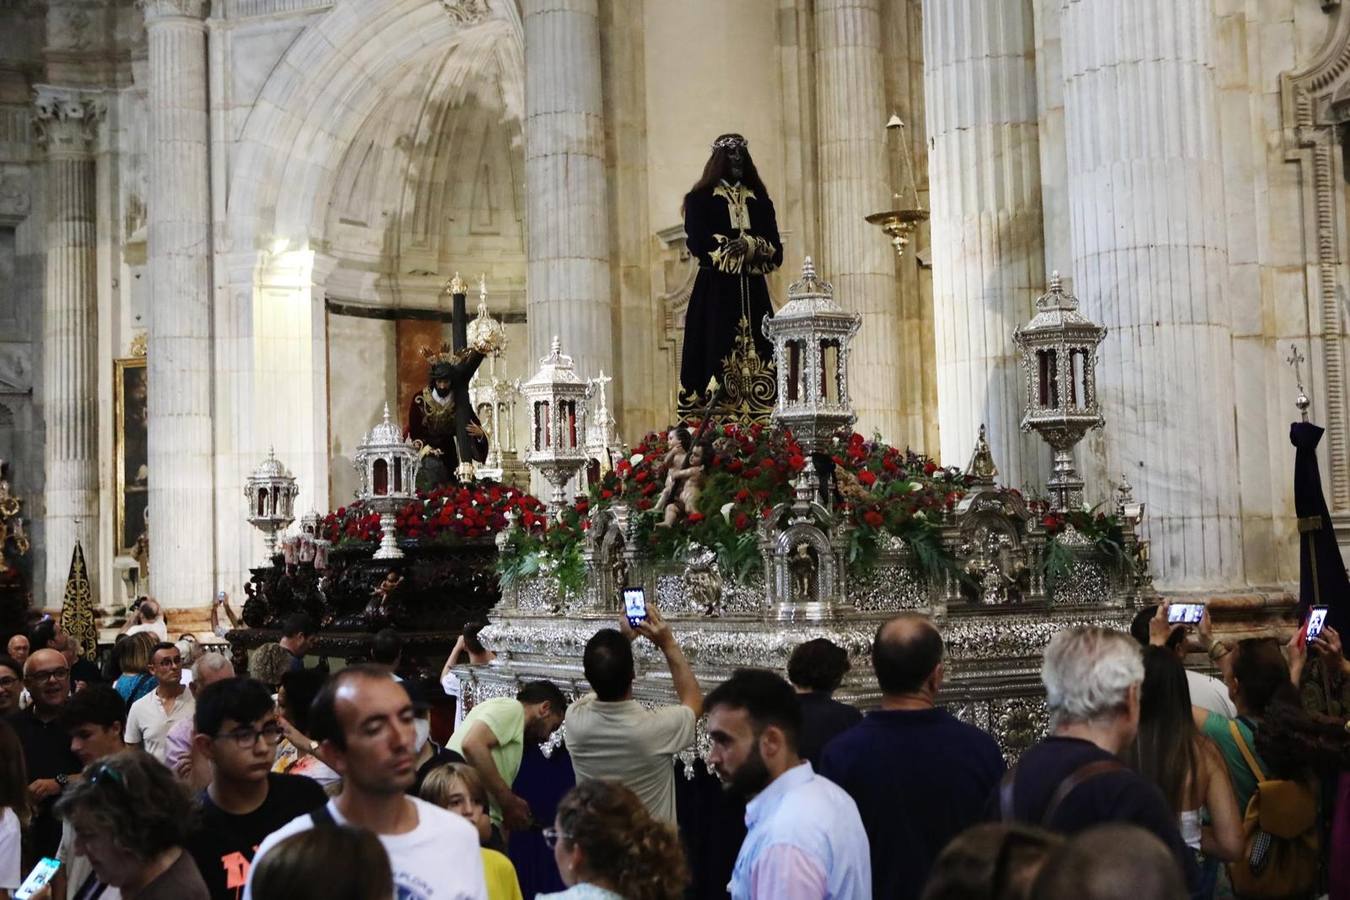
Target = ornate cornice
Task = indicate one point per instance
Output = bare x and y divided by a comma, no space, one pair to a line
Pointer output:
157,10
466,12
66,119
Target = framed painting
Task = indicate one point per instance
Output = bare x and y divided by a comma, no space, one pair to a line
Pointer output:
133,475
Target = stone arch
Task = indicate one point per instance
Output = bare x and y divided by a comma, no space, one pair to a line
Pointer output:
312,106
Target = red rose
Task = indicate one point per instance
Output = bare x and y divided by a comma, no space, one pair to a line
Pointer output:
605,495
929,467
867,477
796,462
742,495
649,488
742,521
873,518
1050,522
735,466
641,475
695,517
644,503
583,505
623,468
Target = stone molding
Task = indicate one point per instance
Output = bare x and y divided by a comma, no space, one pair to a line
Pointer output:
66,119
466,12
1315,104
159,10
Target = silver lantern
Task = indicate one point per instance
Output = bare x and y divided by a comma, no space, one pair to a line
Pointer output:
556,400
386,464
1059,362
271,492
811,336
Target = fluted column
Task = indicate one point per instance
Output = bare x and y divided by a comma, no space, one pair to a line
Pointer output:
1146,195
567,199
182,554
67,124
851,111
988,248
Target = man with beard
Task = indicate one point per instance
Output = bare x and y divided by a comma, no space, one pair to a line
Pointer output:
363,721
804,840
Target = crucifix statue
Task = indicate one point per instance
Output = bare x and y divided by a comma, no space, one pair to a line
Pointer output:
441,420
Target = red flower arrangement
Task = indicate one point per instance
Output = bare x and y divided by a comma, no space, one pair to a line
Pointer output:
446,514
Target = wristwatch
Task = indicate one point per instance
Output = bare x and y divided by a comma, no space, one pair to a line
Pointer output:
62,779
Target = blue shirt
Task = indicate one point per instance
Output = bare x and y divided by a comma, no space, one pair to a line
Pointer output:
920,777
806,823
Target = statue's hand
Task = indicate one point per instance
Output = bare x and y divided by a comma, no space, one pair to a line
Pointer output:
738,246
476,431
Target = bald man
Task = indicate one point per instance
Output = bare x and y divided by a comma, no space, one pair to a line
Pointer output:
918,775
46,744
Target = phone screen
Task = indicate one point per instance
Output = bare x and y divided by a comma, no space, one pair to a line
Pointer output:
635,605
1316,619
37,879
1185,613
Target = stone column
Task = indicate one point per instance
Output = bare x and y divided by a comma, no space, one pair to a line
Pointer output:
855,256
988,248
182,549
1146,198
67,125
568,240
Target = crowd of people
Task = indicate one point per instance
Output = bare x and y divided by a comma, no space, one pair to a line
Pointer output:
176,777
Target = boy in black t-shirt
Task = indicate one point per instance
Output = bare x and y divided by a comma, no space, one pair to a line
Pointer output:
236,727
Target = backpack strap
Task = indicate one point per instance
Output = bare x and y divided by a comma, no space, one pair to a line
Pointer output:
1080,775
1066,787
1247,753
322,817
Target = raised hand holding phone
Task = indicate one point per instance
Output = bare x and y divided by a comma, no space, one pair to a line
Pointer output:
38,879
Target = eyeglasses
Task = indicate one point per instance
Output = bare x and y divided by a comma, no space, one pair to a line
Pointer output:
246,738
553,835
8,681
176,661
48,675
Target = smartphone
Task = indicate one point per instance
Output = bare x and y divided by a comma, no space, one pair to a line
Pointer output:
1185,613
38,879
220,596
635,605
1317,617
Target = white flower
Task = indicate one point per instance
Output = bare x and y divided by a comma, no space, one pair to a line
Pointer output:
916,486
920,515
635,459
726,510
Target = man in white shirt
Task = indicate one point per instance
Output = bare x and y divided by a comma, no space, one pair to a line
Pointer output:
147,617
152,717
610,735
363,720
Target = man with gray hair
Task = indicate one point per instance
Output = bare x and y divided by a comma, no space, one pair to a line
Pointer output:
189,765
1074,778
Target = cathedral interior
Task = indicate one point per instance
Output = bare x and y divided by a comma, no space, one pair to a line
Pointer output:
227,229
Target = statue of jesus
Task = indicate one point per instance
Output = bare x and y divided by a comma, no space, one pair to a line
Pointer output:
441,418
731,230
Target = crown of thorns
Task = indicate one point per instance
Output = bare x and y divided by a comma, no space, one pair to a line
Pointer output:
729,142
442,354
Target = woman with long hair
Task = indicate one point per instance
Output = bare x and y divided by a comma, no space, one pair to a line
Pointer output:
331,863
15,810
609,847
731,229
1172,753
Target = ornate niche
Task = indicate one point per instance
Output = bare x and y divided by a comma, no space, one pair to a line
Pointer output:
1315,107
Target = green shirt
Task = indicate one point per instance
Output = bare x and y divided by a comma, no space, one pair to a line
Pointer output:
505,718
1244,780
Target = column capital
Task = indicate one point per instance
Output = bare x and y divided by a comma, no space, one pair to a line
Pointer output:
161,10
66,119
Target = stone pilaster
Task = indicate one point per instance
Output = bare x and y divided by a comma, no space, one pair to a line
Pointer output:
567,215
182,564
1146,197
988,248
67,123
851,119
